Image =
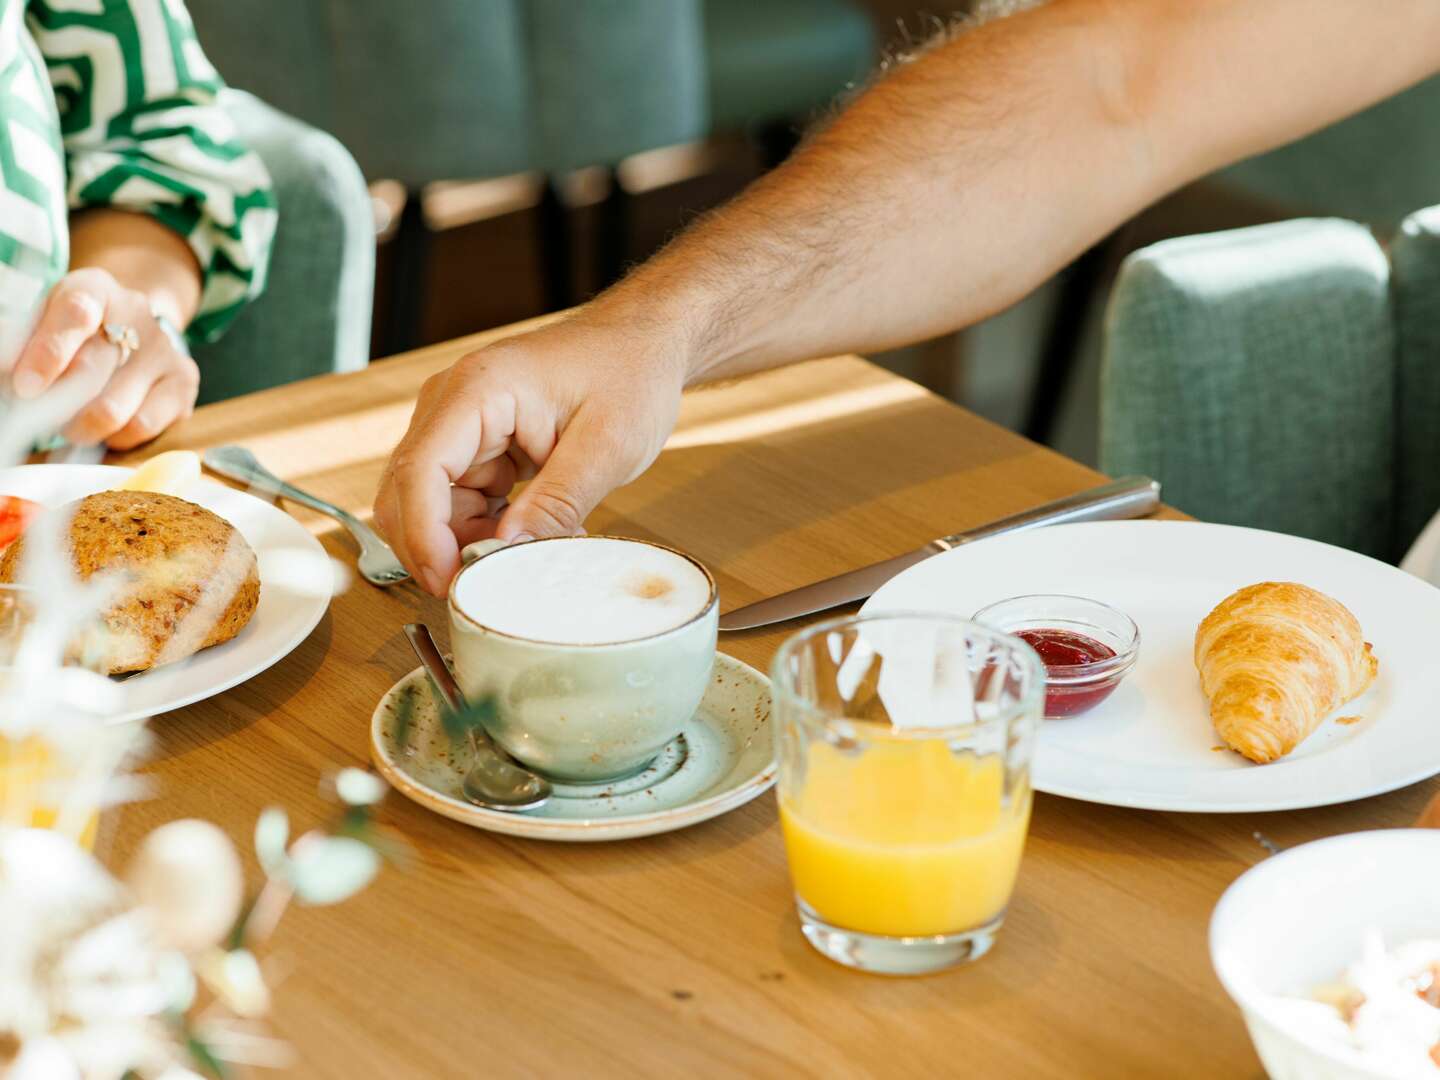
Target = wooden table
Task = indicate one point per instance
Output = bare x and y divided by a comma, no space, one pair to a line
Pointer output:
680,955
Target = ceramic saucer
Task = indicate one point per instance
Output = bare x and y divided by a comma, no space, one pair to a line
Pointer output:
721,759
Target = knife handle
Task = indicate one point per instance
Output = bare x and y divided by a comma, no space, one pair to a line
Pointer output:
1129,497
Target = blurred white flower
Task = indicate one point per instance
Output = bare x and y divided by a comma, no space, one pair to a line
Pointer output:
359,787
83,985
188,878
235,978
272,834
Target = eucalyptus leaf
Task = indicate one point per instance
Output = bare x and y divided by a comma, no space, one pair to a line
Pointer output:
480,713
359,787
272,833
329,869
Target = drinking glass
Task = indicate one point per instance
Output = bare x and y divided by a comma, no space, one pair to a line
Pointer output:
55,758
904,744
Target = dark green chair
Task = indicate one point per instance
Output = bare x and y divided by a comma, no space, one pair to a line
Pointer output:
1374,167
779,61
468,89
1284,376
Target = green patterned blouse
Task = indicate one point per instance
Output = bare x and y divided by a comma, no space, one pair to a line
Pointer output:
112,103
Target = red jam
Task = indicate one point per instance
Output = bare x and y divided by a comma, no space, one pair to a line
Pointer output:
1064,648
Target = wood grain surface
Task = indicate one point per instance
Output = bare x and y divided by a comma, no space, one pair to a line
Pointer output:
679,955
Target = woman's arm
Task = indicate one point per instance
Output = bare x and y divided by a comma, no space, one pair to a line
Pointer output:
140,254
171,217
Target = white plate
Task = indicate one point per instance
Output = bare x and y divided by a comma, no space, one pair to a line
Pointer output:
722,759
295,585
1151,745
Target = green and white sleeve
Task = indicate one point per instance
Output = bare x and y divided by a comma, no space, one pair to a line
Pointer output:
142,130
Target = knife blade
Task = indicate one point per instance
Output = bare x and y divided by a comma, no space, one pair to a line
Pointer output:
1130,497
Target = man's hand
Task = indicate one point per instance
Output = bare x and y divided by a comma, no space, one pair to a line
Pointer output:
116,401
563,400
941,196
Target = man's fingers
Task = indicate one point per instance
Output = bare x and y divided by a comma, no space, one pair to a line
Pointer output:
494,477
584,466
439,446
170,399
472,516
73,315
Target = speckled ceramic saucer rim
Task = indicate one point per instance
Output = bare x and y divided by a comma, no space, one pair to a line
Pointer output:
615,828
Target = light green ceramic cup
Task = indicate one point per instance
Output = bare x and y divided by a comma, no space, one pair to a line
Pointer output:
587,713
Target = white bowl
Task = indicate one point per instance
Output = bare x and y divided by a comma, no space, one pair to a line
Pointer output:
1297,920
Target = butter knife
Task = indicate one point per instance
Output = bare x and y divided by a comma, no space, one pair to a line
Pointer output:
1131,497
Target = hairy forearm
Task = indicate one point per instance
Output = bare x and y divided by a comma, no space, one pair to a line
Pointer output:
141,254
958,183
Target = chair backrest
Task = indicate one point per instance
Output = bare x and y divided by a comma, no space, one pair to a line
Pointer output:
1375,167
415,96
1415,292
611,78
1254,373
462,89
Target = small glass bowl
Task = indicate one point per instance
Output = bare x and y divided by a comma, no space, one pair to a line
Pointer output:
1072,689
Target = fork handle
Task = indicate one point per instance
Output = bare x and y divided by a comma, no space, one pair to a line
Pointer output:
257,476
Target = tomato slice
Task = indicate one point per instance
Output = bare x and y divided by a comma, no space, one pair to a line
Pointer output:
15,514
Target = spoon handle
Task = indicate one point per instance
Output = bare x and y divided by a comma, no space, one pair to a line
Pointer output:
428,653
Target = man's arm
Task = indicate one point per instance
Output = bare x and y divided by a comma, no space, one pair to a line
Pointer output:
954,186
944,193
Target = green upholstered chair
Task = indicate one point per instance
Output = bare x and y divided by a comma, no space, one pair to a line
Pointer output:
416,96
314,316
608,79
611,78
469,89
1374,167
1284,376
781,60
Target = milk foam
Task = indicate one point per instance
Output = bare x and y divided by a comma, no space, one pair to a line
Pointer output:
583,590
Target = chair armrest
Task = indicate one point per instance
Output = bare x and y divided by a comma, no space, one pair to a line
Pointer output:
1252,372
314,316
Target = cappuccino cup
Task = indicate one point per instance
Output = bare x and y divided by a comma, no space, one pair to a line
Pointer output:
594,649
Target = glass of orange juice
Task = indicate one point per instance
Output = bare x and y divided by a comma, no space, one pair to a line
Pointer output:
54,761
904,743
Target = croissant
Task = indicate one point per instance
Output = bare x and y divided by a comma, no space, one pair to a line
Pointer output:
1274,660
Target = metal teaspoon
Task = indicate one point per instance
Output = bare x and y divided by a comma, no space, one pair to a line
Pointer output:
495,780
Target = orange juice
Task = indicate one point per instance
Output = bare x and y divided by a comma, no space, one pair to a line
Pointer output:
30,772
903,839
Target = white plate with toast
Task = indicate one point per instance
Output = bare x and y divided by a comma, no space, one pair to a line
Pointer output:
1152,745
295,585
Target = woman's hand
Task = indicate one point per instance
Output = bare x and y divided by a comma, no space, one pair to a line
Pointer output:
585,404
118,401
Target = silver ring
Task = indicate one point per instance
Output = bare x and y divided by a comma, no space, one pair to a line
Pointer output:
124,338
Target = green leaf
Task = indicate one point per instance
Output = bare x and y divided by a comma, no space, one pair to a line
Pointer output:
477,714
237,934
405,715
329,869
204,1058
